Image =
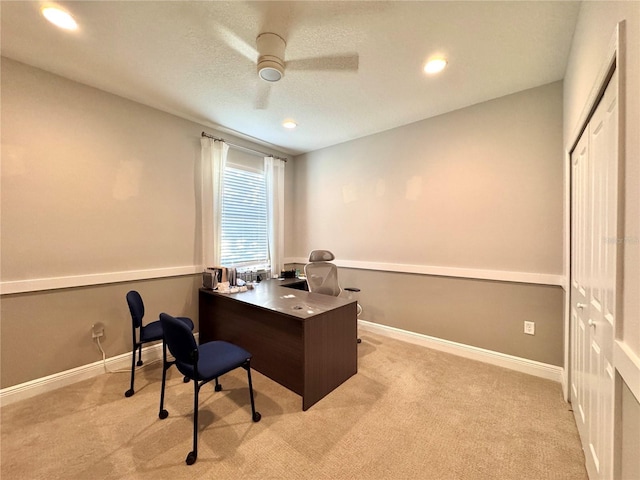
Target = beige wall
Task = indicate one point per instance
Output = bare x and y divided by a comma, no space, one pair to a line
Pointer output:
479,188
49,332
482,313
629,435
92,184
476,188
596,24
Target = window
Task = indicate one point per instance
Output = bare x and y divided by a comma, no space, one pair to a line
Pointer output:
245,241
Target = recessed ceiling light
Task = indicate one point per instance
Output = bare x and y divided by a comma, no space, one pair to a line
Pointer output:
435,65
289,124
59,18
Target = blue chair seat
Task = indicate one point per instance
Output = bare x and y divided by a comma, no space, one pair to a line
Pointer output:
150,332
216,359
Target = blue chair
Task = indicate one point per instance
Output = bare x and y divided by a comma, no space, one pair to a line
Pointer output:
201,364
142,334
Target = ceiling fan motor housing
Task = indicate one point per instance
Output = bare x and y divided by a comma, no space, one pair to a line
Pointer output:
271,56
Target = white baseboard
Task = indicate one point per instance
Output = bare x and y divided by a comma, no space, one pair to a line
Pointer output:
49,383
58,380
531,367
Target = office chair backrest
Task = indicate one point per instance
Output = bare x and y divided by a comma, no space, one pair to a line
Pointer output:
181,343
322,276
136,307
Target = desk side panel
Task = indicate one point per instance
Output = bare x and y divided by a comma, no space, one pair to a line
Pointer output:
331,352
275,340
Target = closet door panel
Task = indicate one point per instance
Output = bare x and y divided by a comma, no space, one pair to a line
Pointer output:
594,231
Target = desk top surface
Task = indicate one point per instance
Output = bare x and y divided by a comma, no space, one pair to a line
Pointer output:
275,295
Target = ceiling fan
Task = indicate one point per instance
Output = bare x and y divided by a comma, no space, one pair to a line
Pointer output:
271,64
269,58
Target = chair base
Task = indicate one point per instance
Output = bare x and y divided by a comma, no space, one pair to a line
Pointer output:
189,355
193,456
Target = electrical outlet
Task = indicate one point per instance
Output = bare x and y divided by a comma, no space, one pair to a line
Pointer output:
529,328
97,330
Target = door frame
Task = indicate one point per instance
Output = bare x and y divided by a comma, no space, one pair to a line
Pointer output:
614,60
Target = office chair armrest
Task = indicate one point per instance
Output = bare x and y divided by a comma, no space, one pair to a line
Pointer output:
352,289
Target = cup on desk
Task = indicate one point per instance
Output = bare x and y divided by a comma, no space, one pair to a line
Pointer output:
210,279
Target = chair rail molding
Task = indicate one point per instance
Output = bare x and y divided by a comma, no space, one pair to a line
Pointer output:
53,283
458,272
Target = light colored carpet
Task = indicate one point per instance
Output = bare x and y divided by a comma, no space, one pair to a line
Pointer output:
409,413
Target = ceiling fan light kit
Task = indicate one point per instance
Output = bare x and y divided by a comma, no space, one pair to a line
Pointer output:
271,56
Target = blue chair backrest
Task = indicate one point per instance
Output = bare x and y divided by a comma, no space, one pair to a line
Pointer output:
136,307
180,340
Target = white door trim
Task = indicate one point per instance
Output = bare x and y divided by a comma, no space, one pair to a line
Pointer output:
612,58
603,414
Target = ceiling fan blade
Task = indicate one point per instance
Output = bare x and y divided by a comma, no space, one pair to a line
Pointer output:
262,95
348,62
237,44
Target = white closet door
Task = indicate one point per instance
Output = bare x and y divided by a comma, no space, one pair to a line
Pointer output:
579,238
593,284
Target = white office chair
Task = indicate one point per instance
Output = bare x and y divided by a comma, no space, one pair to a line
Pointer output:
322,276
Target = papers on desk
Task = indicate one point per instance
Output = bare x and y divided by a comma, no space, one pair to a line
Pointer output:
292,304
228,289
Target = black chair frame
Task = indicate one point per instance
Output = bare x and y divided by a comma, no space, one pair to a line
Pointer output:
137,346
198,383
136,318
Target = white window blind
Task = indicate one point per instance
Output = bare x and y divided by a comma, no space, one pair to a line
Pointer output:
244,219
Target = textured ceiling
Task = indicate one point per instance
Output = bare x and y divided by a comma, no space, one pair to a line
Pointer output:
197,59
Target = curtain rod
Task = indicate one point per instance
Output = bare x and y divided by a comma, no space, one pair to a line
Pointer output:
205,134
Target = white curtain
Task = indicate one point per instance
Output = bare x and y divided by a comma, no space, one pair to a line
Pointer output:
274,175
214,159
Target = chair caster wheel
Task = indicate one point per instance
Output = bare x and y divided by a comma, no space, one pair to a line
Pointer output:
186,379
139,363
163,414
191,458
218,388
129,393
257,417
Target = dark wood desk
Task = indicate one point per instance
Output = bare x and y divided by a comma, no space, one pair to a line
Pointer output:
304,341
